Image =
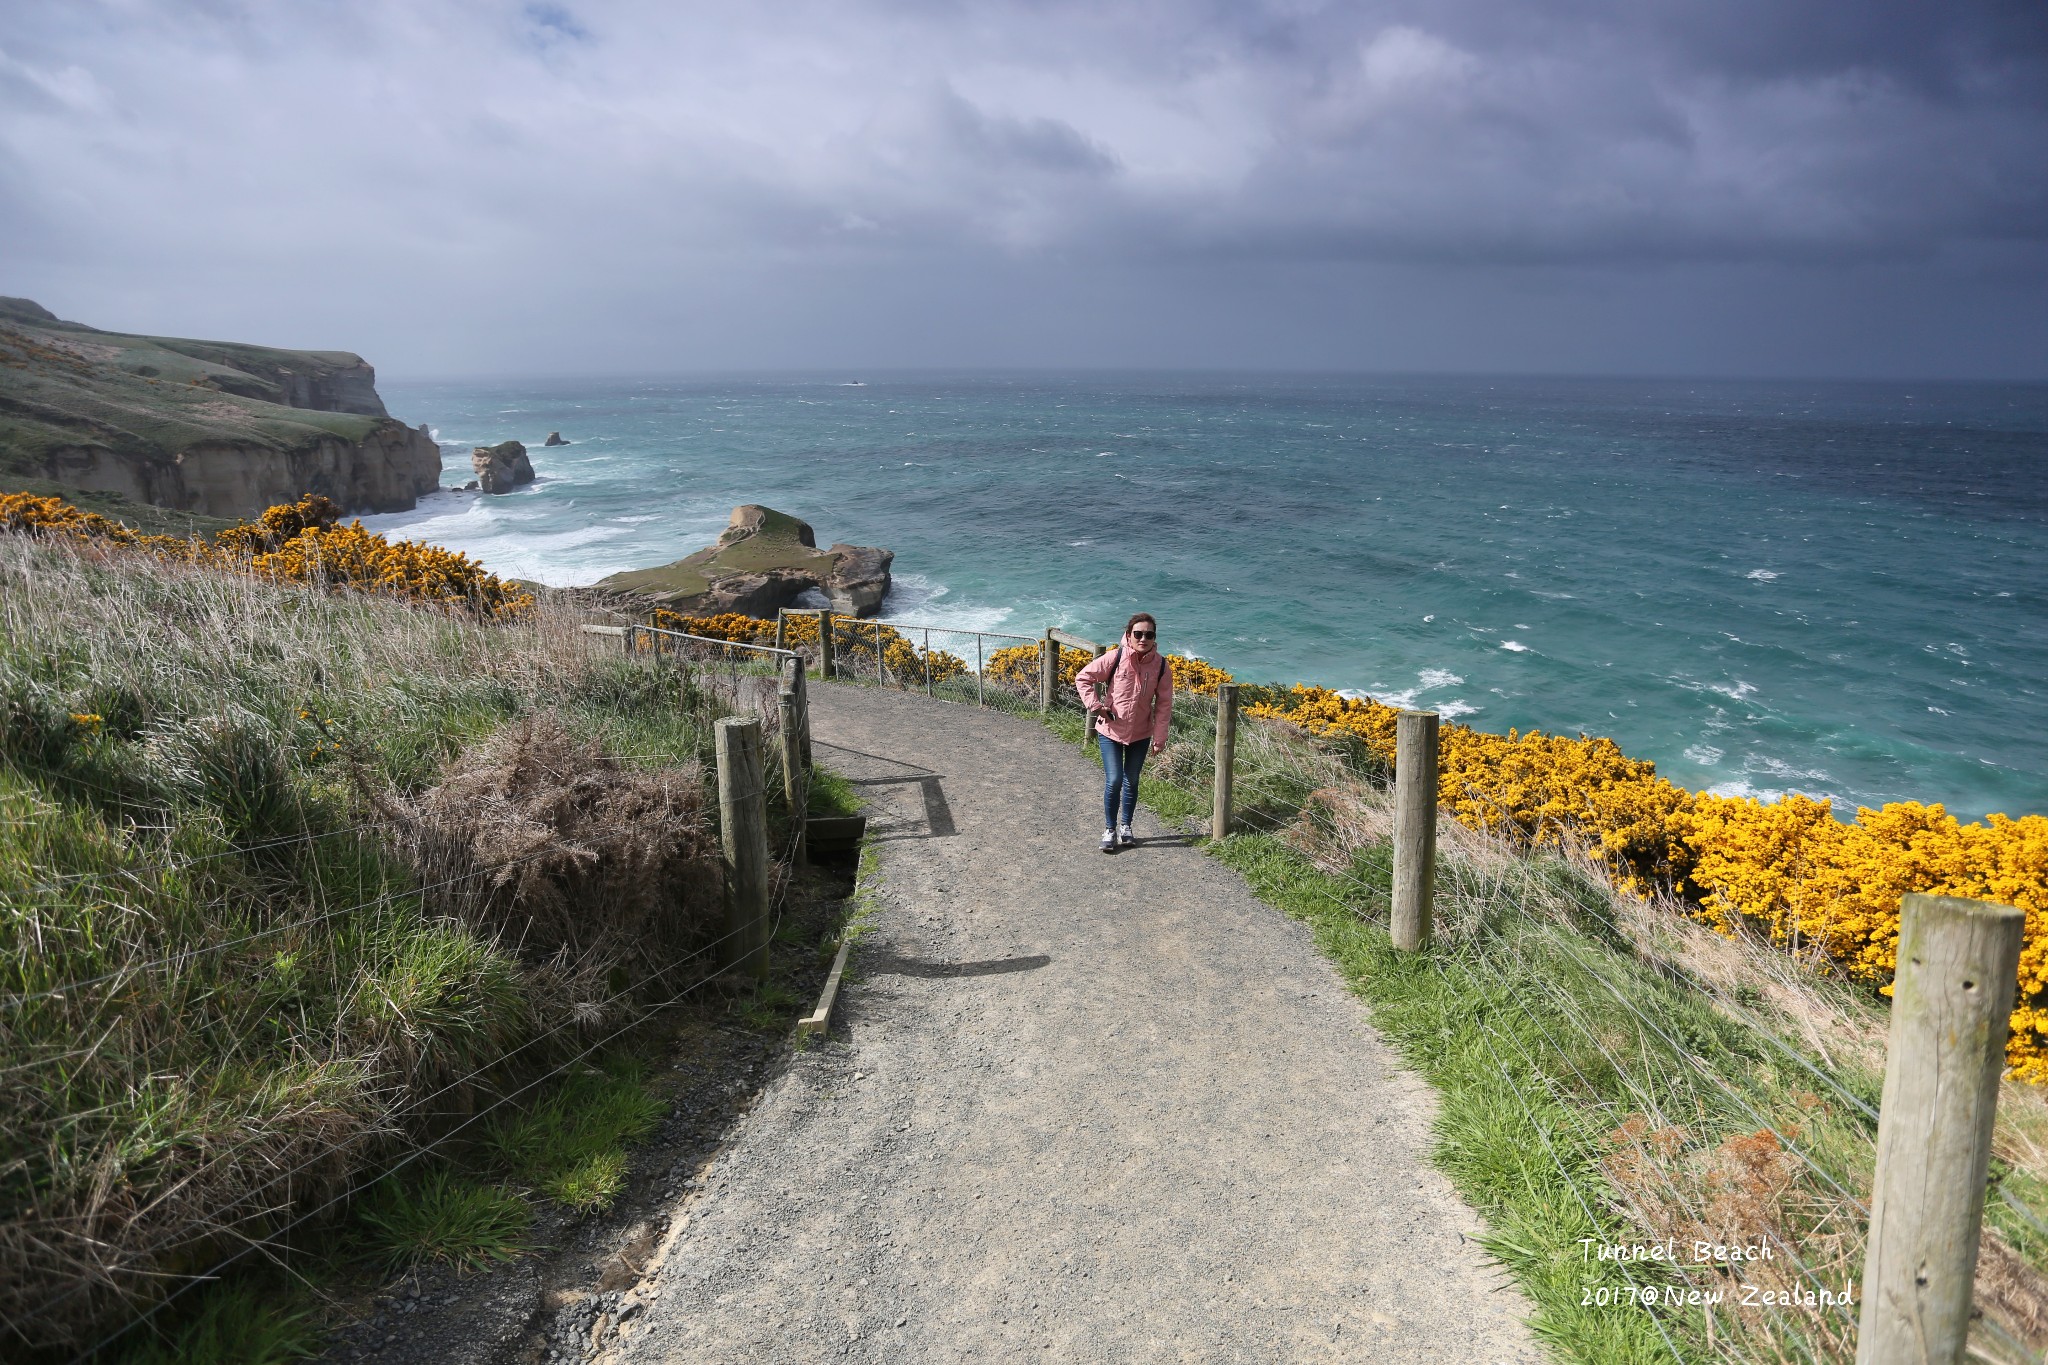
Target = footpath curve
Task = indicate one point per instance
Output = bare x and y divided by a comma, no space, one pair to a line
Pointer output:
1075,1107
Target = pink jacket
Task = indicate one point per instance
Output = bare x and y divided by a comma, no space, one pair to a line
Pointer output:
1141,696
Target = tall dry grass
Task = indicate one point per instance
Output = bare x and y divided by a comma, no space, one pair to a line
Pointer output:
291,881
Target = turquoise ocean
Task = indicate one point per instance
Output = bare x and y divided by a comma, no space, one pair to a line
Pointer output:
1832,588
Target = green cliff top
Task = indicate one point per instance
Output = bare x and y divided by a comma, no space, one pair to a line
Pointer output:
64,385
777,541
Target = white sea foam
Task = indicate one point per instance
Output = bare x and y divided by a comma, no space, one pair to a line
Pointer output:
1760,575
1451,710
1772,766
920,601
1738,691
1746,790
1514,646
1439,677
1704,754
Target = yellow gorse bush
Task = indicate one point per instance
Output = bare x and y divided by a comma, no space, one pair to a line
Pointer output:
853,642
300,542
1818,886
1788,869
1018,665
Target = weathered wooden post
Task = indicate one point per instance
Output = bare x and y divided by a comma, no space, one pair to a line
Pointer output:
1414,828
824,644
1226,757
781,628
1048,669
1958,966
743,835
800,684
794,792
1088,727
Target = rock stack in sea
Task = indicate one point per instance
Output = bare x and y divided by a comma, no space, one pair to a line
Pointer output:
502,467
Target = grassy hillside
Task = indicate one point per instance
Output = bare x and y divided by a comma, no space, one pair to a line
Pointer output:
297,883
65,385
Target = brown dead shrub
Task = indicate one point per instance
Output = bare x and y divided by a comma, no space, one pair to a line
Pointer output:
598,875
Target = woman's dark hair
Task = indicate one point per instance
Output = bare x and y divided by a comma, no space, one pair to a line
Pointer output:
1141,616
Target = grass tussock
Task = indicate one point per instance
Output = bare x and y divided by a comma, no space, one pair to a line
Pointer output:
292,883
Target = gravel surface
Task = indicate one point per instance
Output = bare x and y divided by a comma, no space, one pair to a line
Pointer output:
1075,1107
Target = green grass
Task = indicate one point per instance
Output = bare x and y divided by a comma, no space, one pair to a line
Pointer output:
439,1217
239,1324
832,794
221,969
572,1146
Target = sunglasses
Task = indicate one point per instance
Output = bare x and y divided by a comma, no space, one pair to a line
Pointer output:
1144,635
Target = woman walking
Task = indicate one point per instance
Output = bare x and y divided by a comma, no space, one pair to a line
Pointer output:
1129,691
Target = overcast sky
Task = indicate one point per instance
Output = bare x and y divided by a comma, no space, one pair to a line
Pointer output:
1767,187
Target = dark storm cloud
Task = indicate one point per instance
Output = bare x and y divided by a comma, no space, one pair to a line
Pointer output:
669,172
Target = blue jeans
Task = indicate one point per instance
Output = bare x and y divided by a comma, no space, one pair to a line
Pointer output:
1121,764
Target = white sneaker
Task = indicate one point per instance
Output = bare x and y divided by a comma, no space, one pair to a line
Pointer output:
1109,841
1124,837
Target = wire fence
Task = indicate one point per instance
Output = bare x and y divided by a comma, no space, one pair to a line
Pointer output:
290,1182
274,1238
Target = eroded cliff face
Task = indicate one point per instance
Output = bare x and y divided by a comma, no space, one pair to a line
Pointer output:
212,427
387,471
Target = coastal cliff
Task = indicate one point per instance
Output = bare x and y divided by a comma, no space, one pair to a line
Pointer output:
218,429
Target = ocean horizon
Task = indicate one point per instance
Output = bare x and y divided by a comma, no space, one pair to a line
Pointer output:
1834,588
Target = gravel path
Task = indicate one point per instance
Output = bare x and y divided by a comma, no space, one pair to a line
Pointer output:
1076,1107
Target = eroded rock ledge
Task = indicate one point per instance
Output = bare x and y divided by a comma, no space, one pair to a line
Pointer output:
763,562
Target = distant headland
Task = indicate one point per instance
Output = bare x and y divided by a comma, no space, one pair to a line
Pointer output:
212,428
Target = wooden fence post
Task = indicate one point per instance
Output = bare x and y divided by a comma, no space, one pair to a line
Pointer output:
794,789
1414,828
824,644
743,835
1958,965
781,628
1226,758
1048,669
1088,726
800,683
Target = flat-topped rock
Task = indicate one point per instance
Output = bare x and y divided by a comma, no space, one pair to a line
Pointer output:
762,562
502,467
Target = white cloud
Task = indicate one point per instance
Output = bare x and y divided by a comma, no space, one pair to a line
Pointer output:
449,148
